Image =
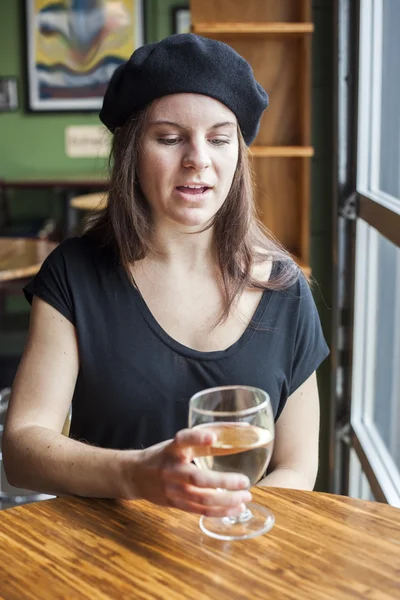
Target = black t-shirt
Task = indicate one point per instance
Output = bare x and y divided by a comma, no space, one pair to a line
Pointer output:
135,381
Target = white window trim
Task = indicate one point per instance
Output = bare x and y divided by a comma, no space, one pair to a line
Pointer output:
370,105
382,464
364,94
386,481
375,93
384,456
396,359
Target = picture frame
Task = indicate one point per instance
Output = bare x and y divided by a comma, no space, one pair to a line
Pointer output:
8,94
72,53
181,21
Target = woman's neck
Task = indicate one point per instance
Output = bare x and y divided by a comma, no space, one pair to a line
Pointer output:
183,247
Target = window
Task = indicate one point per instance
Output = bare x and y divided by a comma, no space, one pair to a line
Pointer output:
376,360
379,102
359,486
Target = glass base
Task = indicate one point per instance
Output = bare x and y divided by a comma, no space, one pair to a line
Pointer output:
255,521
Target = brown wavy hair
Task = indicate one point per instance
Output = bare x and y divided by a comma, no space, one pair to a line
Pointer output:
241,240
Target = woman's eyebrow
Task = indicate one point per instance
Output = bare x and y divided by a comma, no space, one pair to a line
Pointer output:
223,124
180,126
165,122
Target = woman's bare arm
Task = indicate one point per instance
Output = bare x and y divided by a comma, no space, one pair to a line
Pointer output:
36,455
294,461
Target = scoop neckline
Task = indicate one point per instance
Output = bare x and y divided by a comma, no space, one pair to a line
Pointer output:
188,352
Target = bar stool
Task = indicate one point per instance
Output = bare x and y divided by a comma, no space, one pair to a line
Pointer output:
84,204
89,202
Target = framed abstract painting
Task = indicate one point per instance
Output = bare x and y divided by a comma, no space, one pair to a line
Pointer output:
73,48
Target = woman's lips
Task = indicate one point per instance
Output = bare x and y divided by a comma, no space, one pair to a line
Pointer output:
193,195
192,191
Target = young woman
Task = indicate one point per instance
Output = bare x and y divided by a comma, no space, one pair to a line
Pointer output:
174,288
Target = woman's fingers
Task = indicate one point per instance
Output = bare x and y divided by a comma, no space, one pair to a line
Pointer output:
189,474
210,511
190,437
189,443
207,497
192,440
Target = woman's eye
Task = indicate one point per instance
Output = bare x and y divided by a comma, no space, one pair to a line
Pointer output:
219,142
169,141
175,140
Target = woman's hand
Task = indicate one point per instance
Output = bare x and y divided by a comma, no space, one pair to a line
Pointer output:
164,475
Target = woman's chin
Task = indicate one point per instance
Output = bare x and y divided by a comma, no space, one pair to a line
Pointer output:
200,219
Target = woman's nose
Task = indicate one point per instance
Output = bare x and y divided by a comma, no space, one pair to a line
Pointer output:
196,156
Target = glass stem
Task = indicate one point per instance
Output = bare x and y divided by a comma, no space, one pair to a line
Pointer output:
242,518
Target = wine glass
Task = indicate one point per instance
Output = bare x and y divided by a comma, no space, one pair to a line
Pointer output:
242,421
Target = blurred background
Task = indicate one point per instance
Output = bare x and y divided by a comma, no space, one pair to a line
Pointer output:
326,163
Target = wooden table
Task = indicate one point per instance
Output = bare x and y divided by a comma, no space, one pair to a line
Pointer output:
22,257
89,201
322,547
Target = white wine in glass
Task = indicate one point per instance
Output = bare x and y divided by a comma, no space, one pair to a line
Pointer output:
242,422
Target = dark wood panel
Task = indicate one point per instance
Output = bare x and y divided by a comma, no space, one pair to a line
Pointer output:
278,198
386,221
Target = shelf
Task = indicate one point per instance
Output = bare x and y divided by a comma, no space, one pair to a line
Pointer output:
275,37
282,151
253,28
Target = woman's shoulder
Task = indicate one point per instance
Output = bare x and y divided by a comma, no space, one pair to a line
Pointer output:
78,249
278,272
262,267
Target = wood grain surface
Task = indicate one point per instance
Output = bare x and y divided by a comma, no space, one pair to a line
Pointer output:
22,257
322,547
247,12
252,28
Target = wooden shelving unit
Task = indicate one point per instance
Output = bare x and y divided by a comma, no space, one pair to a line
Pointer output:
275,38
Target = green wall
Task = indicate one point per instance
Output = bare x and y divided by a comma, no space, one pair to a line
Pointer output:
31,142
34,142
158,21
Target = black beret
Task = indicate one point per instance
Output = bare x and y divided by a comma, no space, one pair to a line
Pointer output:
185,63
